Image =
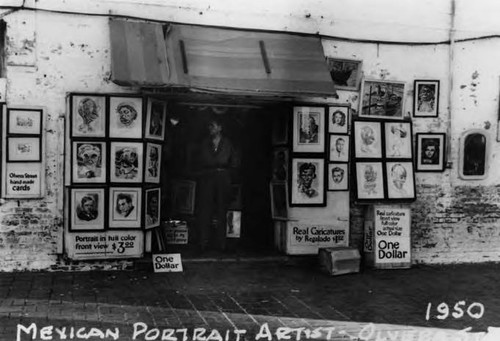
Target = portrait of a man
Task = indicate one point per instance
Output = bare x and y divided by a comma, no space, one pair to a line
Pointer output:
307,184
152,207
87,207
89,161
309,128
88,116
124,205
126,162
400,180
125,117
338,177
87,210
339,148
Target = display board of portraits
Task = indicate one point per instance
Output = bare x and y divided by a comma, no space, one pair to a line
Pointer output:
383,160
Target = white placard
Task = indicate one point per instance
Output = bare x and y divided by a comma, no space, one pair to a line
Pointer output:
23,180
392,235
305,238
168,262
105,245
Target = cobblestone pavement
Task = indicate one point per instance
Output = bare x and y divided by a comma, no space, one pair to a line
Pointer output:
253,301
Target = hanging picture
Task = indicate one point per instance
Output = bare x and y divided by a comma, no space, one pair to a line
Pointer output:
309,129
156,119
126,162
125,207
398,140
338,119
400,180
426,98
307,185
233,224
367,139
153,163
88,161
382,99
369,181
87,209
24,121
345,73
430,153
280,164
183,196
88,116
279,205
339,148
152,218
125,117
338,176
21,149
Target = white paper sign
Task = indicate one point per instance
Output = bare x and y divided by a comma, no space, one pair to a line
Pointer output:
23,180
392,233
102,245
168,262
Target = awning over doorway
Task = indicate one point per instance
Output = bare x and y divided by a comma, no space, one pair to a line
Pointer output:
228,60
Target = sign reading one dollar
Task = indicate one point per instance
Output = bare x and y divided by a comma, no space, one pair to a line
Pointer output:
392,235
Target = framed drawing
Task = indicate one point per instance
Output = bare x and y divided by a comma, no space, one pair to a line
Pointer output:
88,161
431,148
21,149
369,181
398,140
307,185
345,73
367,139
382,99
156,119
183,196
153,198
125,117
126,162
24,121
87,209
338,176
125,207
280,164
279,205
309,129
339,148
280,128
88,116
233,224
153,163
426,98
400,180
338,119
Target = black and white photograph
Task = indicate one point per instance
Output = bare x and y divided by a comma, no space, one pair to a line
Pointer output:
125,117
126,162
338,119
89,161
338,176
307,186
125,207
430,152
24,121
156,119
426,100
309,129
153,208
339,148
88,116
87,209
153,163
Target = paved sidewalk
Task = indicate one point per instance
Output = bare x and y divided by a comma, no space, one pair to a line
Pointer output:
221,297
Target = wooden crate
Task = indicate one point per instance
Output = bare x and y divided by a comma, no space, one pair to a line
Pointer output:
339,260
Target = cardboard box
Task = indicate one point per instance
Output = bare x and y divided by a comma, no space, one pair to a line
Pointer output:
339,260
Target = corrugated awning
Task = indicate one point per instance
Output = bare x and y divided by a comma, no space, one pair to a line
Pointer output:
218,59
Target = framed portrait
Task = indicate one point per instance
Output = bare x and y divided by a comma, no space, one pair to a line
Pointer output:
152,208
369,181
280,128
309,129
22,149
280,164
426,98
279,205
126,162
339,148
400,180
153,163
156,119
125,207
88,116
307,184
88,161
338,176
367,139
398,140
24,121
125,117
236,199
338,119
474,154
345,73
87,209
382,99
431,148
233,224
183,196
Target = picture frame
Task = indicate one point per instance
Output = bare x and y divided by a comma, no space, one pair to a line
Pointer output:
24,149
338,176
125,207
87,209
153,163
126,162
152,211
339,148
345,73
156,119
236,198
426,98
89,161
382,99
183,196
398,140
400,180
125,117
24,121
233,224
88,115
369,181
309,129
431,149
279,134
367,139
339,117
280,164
307,183
279,197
